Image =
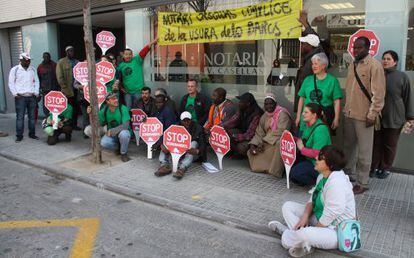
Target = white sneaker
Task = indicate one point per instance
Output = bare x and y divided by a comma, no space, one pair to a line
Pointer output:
300,251
277,227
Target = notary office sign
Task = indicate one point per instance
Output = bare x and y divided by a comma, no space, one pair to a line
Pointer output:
236,63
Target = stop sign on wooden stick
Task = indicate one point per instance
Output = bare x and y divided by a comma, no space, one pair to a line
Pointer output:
105,40
288,152
56,102
177,140
220,142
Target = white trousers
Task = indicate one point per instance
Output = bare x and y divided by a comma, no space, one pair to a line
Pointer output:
323,238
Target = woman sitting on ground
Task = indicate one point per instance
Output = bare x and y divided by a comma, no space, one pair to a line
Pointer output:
264,154
314,137
314,225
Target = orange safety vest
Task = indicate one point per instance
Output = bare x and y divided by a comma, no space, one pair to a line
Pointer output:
215,117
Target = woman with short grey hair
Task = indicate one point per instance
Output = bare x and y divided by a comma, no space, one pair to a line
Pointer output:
323,89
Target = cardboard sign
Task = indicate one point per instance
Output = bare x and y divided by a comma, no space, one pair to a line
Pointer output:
220,142
56,102
288,152
80,72
375,42
150,131
100,91
105,40
177,140
105,72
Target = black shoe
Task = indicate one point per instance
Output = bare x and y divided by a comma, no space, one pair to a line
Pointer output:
34,137
125,158
18,139
68,137
382,174
372,173
85,136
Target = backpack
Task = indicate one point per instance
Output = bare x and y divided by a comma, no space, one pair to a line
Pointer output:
349,235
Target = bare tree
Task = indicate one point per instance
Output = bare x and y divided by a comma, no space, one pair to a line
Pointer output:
90,56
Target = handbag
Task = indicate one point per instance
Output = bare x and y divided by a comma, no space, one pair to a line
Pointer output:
377,123
328,111
349,235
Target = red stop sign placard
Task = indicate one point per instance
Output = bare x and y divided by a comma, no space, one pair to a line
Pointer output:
150,131
219,140
138,116
80,72
288,148
105,40
375,42
105,72
177,139
56,102
100,91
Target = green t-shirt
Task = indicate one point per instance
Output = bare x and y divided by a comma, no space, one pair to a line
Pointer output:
132,74
316,137
329,90
66,114
317,198
190,107
114,119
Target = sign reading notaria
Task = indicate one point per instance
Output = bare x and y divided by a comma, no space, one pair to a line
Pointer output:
272,20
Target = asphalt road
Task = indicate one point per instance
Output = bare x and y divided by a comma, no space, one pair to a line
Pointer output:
44,216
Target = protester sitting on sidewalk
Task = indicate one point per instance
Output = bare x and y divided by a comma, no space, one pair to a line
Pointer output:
242,126
264,154
114,119
146,102
315,136
166,116
171,103
195,103
314,225
398,109
24,86
198,148
64,126
221,110
131,73
322,88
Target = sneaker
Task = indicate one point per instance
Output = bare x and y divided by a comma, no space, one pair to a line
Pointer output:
277,227
34,137
300,251
125,158
382,174
18,139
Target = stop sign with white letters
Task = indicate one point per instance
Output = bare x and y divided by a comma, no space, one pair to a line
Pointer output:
80,72
56,102
219,140
370,34
177,139
151,130
105,72
105,40
138,115
100,91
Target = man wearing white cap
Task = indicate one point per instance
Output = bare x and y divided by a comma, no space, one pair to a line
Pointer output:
64,75
197,148
24,86
310,45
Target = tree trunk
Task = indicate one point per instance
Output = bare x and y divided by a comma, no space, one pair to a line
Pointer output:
90,56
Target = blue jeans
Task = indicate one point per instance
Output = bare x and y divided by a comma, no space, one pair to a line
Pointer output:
303,173
23,105
130,99
112,142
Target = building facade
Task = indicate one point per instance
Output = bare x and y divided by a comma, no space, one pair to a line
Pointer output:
236,66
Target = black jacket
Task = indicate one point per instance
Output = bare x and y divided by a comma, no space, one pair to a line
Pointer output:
202,106
197,134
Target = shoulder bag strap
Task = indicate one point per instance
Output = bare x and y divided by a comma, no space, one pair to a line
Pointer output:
361,85
316,90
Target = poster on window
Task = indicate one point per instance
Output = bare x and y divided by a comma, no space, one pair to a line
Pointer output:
277,19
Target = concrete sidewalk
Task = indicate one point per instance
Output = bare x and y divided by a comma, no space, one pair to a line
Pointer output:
234,196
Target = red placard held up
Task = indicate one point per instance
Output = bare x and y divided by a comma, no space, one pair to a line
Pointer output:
105,40
288,152
105,72
100,91
56,102
80,72
150,131
138,115
220,142
375,42
177,140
